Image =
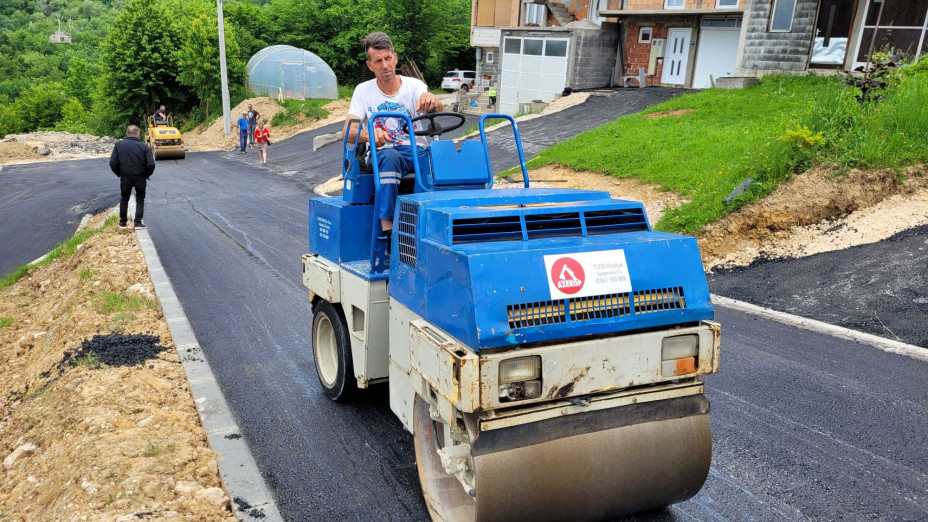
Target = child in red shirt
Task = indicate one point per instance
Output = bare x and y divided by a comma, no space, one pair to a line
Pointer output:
261,138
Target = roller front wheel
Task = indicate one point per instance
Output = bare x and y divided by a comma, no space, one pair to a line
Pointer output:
332,351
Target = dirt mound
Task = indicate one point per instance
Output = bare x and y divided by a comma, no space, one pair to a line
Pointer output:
655,199
819,199
16,152
213,138
665,114
815,212
49,145
96,418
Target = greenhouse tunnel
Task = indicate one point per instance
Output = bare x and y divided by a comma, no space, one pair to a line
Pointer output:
284,71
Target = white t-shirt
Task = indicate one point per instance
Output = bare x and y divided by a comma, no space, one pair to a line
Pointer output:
368,99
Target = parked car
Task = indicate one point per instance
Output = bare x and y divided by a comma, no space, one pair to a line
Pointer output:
456,79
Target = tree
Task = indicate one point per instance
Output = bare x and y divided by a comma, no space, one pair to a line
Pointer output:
139,56
73,118
38,107
198,59
250,24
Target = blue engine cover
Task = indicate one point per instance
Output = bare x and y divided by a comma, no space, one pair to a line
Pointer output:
339,231
497,268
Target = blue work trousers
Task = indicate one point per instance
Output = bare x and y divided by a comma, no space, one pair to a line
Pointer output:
242,139
393,162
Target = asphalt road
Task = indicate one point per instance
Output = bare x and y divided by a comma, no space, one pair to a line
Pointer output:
880,288
41,205
805,426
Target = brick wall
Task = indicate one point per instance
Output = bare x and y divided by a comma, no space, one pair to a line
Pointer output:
638,54
766,51
581,8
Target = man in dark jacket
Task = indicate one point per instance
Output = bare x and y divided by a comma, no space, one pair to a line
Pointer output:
133,163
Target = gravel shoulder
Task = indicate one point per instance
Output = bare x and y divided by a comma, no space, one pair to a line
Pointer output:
96,417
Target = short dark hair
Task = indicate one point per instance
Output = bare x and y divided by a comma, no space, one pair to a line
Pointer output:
379,41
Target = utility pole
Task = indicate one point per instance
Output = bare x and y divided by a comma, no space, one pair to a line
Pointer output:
226,110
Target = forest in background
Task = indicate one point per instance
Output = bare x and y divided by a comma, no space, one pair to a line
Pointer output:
128,56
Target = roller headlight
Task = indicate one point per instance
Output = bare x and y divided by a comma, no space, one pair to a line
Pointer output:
520,378
520,369
678,355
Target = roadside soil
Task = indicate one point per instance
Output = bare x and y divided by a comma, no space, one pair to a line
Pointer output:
213,138
817,211
96,418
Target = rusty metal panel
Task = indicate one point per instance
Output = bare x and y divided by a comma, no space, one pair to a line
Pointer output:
322,277
450,368
598,365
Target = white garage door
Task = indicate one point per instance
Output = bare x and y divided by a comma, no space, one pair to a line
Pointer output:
532,69
718,49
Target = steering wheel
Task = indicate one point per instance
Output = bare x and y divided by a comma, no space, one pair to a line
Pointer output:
434,128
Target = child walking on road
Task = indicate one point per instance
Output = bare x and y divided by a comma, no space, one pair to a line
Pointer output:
261,138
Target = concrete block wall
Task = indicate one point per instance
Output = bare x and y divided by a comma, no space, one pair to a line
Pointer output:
490,69
768,51
594,53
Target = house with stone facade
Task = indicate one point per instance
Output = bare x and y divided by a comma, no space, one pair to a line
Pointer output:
532,50
821,35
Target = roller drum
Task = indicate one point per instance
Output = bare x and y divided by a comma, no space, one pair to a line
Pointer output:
168,154
588,466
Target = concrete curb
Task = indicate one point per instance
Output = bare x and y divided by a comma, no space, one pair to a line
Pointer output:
887,345
251,498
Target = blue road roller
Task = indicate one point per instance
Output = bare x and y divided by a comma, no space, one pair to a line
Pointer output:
545,347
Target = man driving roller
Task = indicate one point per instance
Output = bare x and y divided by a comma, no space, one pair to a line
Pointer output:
388,92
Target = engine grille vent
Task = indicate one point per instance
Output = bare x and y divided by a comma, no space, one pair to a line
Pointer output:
659,300
406,233
578,309
553,224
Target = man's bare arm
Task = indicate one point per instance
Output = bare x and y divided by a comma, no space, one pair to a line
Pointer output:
380,136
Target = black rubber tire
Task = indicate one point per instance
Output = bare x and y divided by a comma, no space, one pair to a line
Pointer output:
332,351
465,88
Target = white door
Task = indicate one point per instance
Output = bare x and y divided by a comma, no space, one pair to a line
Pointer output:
531,69
716,53
676,54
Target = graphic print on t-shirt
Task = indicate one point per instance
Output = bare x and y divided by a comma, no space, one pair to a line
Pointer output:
393,126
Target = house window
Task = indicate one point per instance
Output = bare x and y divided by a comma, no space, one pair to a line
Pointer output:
726,3
490,57
535,14
532,47
556,48
781,16
644,35
674,4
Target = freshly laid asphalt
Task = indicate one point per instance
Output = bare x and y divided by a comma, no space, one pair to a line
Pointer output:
805,426
879,288
41,205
